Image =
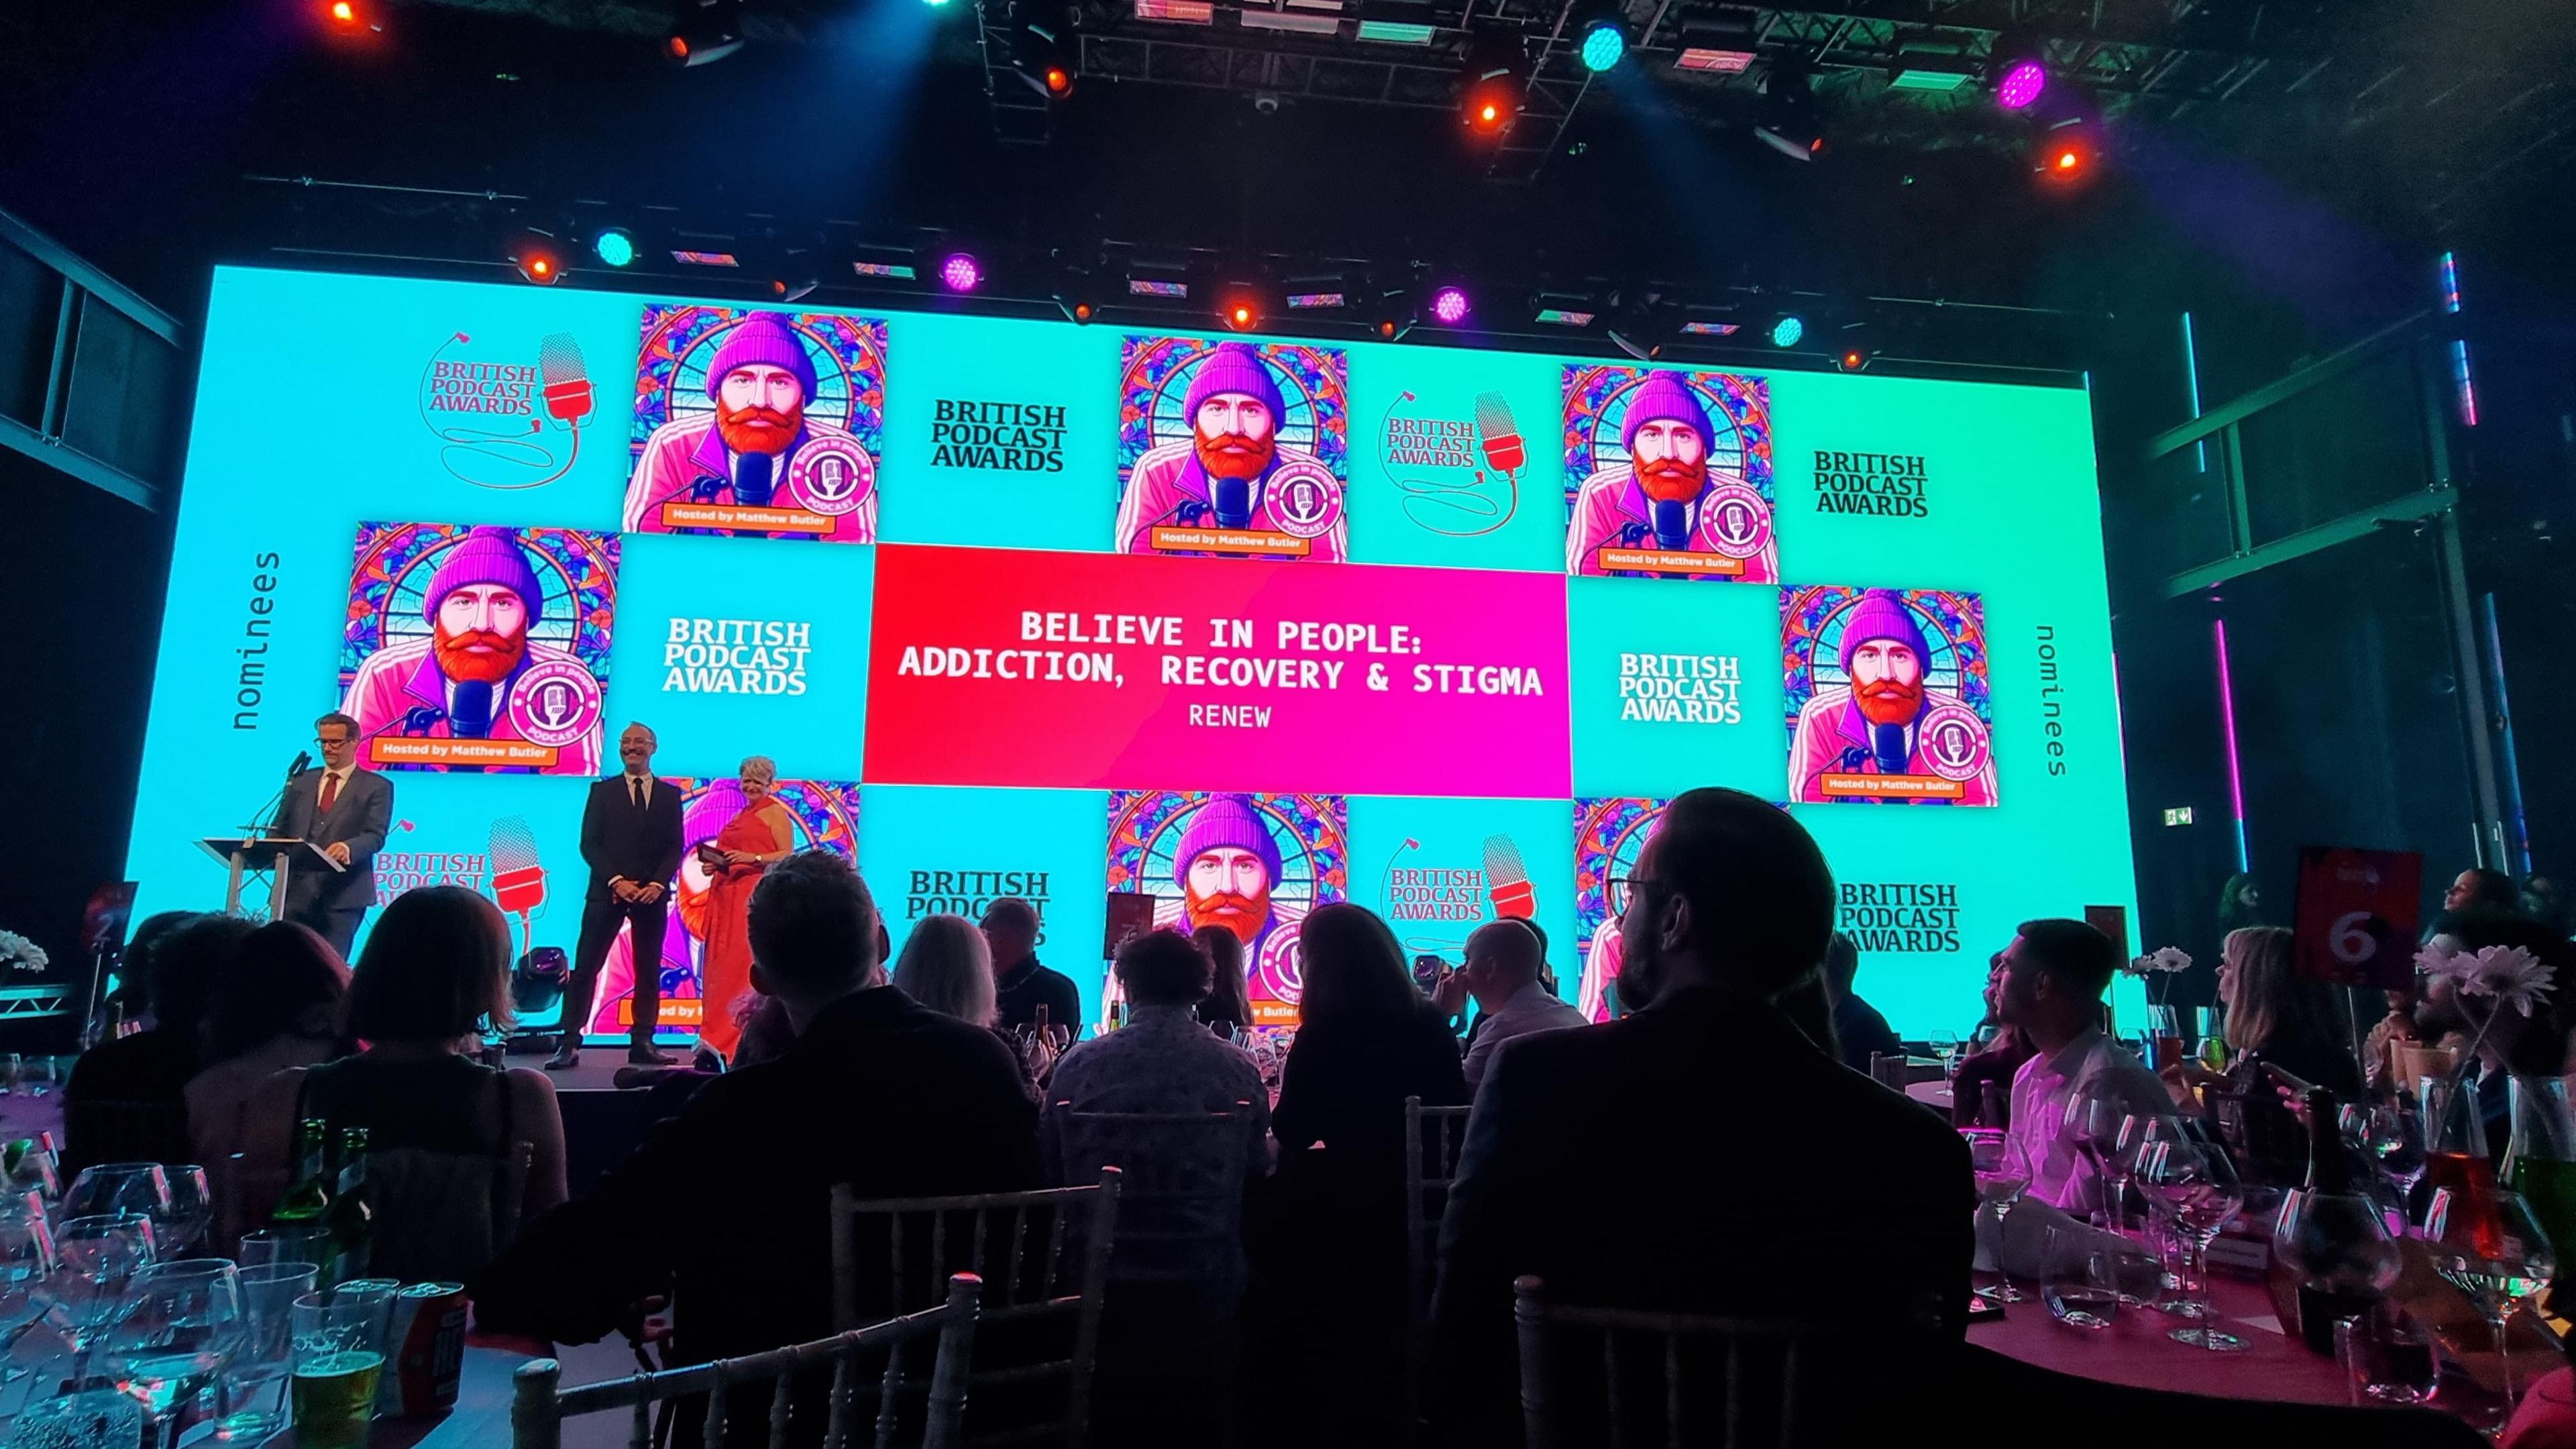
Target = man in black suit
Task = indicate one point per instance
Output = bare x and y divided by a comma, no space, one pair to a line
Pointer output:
630,838
1699,1154
345,811
878,1091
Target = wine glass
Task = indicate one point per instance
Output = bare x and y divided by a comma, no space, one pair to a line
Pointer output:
27,1167
26,1261
2093,1125
1945,1047
2394,1138
181,1229
2002,1177
40,1076
2189,1179
97,1256
2337,1241
180,1325
120,1187
2494,1251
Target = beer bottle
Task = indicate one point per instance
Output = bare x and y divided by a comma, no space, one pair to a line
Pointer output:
348,1221
308,1191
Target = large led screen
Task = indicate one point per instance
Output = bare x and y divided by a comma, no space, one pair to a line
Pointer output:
1242,624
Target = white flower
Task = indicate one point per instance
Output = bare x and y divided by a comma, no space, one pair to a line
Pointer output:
2510,974
19,952
2160,960
2438,957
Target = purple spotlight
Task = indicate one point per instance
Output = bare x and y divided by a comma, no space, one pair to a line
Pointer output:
959,272
1449,305
2021,85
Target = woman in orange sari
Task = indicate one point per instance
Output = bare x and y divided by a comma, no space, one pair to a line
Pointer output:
762,831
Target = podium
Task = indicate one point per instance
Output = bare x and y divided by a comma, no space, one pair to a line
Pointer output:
275,858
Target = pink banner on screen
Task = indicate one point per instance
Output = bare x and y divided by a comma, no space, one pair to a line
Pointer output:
1091,671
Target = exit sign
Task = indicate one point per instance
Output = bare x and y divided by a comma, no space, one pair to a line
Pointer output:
2177,815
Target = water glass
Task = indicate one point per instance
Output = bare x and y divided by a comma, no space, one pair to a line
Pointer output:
2080,1276
98,1419
120,1187
177,1331
30,1168
336,1359
2387,1356
256,1394
281,1245
39,1076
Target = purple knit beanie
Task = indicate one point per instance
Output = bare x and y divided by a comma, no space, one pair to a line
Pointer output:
1665,397
762,337
1233,367
489,555
1226,820
1881,614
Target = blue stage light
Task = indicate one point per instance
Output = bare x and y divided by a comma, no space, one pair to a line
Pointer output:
1787,331
615,247
1603,45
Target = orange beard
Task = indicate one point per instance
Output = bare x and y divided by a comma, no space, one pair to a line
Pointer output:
479,654
756,429
1232,455
1243,915
1670,480
1886,702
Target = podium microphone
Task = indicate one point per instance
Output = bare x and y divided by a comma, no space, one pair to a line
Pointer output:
1507,882
1499,434
567,389
518,880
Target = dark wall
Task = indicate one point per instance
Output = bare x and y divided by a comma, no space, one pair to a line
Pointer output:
87,573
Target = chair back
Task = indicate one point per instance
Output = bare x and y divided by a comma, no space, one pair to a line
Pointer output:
1630,1376
538,1406
1043,1259
1180,1192
96,1131
1432,1139
444,1216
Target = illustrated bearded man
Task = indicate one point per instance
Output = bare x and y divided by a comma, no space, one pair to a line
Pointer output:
1871,725
740,453
457,682
1222,475
1658,498
1226,865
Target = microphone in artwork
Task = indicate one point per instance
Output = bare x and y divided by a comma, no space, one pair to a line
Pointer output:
752,480
1507,882
567,380
1499,434
518,880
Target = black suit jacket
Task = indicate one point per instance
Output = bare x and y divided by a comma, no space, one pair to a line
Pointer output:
619,840
728,1204
1698,1156
359,818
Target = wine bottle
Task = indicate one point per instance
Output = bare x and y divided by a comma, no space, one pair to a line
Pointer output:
1990,1104
348,1220
2330,1233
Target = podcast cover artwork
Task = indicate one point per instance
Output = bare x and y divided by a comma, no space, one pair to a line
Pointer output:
753,424
1888,699
1233,449
1254,864
478,647
1609,834
823,815
1668,475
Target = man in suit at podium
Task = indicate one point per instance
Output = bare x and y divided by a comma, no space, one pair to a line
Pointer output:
630,838
342,811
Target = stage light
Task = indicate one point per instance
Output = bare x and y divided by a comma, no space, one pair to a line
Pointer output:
1041,61
537,258
2017,67
1492,83
1449,306
2021,84
1855,357
615,246
1603,32
1797,142
350,20
1787,122
960,272
2065,156
707,32
1077,310
1789,331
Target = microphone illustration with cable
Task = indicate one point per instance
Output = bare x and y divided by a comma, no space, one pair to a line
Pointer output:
567,380
518,878
1507,882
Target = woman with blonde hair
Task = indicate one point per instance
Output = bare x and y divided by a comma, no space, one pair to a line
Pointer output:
947,967
2274,1012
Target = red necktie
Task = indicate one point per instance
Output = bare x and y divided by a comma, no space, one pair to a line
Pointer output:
330,793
